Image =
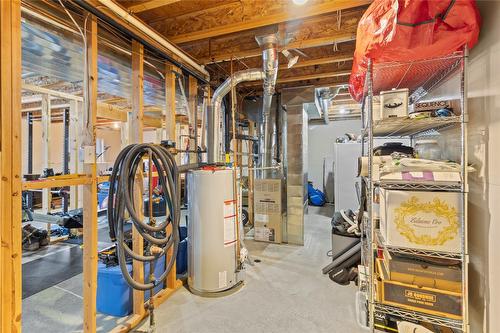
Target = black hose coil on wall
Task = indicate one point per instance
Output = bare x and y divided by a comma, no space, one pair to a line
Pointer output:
121,202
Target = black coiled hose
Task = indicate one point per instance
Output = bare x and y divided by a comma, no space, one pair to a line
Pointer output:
121,202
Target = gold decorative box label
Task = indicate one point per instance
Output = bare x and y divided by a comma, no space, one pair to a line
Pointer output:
427,223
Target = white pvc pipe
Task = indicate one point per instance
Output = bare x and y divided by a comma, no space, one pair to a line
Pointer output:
115,8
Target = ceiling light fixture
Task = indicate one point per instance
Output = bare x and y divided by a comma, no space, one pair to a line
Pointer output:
299,2
292,60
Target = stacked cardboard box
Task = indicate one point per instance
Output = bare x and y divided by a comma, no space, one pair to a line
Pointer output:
417,298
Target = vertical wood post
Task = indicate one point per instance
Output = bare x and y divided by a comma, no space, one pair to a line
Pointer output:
135,123
46,124
193,126
90,191
74,107
170,84
10,166
170,124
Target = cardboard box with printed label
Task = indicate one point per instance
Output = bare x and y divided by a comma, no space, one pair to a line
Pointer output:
445,276
421,220
268,209
411,297
394,103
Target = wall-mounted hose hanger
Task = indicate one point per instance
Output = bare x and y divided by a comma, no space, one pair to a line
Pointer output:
121,209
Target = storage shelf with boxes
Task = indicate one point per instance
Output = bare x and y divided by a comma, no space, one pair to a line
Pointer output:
415,241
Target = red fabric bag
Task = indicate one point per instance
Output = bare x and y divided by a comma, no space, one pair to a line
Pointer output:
410,30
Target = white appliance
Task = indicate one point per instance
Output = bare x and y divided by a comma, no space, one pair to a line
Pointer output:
211,231
345,171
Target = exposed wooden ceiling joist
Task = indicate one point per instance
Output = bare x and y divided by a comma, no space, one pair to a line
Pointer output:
151,4
320,61
318,83
313,76
325,59
244,15
311,33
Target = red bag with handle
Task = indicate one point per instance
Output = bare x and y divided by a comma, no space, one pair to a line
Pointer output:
410,30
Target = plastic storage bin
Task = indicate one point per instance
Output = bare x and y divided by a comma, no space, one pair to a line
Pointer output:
181,263
114,296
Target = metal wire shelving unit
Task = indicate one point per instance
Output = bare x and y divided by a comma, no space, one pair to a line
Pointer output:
420,77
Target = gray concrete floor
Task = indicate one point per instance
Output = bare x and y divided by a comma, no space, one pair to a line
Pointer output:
285,292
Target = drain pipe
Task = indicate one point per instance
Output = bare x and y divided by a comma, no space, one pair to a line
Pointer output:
268,44
215,130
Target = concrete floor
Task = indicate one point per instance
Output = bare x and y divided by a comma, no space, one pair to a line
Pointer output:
285,292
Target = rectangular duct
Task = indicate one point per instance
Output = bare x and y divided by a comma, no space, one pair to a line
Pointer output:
296,160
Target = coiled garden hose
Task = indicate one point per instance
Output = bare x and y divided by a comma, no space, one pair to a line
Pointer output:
121,208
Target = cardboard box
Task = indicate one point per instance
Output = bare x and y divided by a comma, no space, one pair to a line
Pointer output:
268,210
411,297
394,103
421,220
423,274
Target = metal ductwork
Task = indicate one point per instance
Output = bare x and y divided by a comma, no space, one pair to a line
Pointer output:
268,73
268,44
323,100
215,130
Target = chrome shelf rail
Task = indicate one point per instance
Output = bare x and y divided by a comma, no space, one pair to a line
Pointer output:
420,77
418,316
417,252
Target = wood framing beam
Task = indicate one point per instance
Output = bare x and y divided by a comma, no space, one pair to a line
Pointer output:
46,122
317,83
246,15
58,181
313,76
299,44
152,4
136,132
319,61
170,82
90,191
51,92
193,128
316,32
10,166
75,194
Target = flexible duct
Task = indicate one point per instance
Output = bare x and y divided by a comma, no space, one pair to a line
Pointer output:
216,131
268,44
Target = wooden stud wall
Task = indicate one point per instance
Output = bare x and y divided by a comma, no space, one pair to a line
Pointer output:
193,103
135,124
90,191
10,166
83,121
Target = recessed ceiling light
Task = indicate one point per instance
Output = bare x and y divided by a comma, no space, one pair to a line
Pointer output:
299,2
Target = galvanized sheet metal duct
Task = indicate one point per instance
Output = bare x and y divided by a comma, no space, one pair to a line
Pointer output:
268,44
268,73
215,129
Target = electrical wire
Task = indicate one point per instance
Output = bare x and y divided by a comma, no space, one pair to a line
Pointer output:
121,204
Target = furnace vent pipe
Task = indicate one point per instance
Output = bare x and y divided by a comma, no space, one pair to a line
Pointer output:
268,45
215,130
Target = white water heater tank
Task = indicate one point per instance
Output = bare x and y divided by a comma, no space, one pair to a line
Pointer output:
211,231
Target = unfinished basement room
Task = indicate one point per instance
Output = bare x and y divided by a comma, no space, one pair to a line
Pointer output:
249,166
